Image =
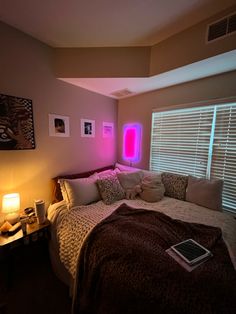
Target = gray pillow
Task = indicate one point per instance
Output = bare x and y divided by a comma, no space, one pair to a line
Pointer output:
110,189
203,192
152,189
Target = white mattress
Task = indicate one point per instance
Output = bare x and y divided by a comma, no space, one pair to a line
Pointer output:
70,227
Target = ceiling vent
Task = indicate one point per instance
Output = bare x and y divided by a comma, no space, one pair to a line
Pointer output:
122,93
221,28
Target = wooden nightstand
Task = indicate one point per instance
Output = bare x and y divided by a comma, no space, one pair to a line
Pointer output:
23,246
34,232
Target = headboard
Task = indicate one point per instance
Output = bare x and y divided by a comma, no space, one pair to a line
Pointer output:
57,195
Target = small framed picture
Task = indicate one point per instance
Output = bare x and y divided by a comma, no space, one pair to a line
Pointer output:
59,125
87,128
107,129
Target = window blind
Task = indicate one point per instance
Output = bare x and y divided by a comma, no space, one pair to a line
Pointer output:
180,140
224,153
199,141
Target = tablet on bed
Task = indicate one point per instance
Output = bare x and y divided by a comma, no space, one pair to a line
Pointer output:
191,251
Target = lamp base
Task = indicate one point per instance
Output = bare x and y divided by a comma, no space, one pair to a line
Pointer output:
12,218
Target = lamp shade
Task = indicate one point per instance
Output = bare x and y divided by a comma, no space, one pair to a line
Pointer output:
11,203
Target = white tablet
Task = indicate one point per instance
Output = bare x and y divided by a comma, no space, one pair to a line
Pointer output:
191,251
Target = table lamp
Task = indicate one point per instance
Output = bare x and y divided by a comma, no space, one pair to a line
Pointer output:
11,206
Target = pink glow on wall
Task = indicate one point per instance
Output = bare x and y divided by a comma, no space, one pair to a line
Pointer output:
131,142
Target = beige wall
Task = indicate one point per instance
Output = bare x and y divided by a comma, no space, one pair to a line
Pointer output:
184,48
102,62
25,67
138,109
189,46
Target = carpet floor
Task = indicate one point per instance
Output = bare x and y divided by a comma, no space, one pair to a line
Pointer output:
33,287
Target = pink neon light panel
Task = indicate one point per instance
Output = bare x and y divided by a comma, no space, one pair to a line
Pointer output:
131,142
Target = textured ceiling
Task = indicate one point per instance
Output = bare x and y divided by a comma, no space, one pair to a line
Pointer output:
99,23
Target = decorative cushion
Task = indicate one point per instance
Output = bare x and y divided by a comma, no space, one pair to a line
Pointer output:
80,191
152,189
110,189
175,185
203,192
129,180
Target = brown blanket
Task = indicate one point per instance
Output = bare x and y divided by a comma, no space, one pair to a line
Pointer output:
123,268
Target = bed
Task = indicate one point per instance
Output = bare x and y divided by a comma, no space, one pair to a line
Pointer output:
109,255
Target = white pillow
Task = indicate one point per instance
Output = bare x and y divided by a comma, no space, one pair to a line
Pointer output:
125,168
204,192
81,191
108,172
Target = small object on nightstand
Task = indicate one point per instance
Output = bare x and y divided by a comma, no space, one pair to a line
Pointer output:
40,211
5,227
14,228
23,224
29,213
31,218
29,210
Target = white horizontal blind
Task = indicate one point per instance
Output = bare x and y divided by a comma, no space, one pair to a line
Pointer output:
180,140
224,153
196,140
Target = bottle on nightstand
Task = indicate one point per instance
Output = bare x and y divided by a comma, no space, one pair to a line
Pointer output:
40,211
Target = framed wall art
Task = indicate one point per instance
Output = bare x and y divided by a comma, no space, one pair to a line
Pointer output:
59,125
16,123
87,128
107,129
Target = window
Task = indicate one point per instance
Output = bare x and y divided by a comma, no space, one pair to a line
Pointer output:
198,141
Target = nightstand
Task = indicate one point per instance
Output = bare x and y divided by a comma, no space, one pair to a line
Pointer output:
22,246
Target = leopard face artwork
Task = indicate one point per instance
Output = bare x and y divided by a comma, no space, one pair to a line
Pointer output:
16,123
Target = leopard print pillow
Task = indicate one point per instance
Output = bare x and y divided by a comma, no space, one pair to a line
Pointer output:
110,189
175,185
